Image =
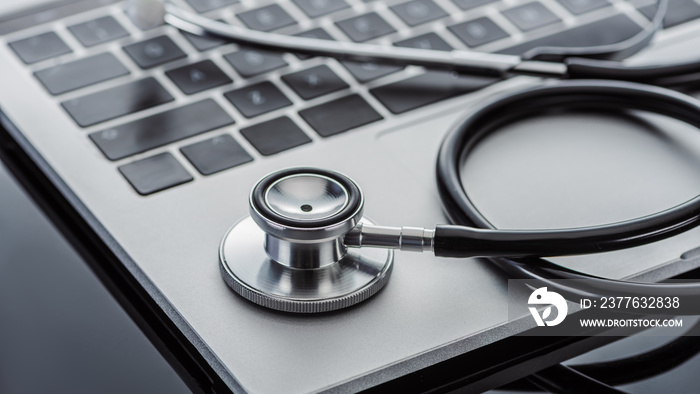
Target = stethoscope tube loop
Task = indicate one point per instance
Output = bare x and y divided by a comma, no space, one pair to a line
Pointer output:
554,62
468,62
586,94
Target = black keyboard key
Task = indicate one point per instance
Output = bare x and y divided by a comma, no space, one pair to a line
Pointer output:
367,71
117,101
313,33
578,7
425,41
197,77
216,154
155,173
154,52
98,31
203,43
160,129
606,31
258,99
478,31
678,12
40,47
271,17
365,27
340,115
428,88
251,62
469,4
314,82
275,136
208,5
530,16
316,8
418,11
681,11
81,73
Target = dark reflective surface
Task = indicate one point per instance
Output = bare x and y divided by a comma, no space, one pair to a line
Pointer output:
681,379
60,330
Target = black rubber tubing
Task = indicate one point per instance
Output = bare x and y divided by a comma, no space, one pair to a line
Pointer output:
583,95
579,67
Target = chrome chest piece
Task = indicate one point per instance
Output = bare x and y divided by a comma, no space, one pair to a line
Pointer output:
290,254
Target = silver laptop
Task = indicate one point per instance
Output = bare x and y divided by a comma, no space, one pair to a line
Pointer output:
148,143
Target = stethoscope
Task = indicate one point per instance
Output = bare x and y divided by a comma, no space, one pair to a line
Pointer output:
306,247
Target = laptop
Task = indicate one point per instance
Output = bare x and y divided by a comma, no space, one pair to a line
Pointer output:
144,145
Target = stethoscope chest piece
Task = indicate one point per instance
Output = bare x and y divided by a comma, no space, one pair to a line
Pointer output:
289,254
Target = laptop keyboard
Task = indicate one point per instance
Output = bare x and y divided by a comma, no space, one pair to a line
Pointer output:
277,101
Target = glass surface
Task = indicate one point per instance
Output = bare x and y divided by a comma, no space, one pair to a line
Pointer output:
60,330
682,379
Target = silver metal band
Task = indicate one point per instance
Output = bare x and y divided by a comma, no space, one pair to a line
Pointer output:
412,239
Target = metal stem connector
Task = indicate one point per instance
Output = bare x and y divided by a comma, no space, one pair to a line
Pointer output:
413,239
